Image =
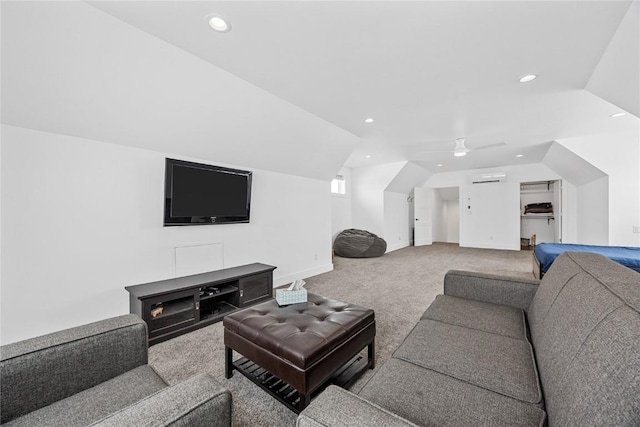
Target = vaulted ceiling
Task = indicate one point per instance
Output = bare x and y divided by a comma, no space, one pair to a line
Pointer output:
300,77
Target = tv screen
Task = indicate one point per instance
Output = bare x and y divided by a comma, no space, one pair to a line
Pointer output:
197,194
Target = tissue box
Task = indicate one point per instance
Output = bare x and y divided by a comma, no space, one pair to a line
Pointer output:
286,297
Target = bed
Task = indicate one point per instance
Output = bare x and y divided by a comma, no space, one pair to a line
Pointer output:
545,253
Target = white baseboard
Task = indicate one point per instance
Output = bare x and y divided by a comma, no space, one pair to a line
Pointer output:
485,245
399,245
283,280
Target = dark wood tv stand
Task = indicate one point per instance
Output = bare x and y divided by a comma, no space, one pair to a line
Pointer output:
175,306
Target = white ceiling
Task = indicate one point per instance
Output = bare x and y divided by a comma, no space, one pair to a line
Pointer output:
71,69
427,71
157,77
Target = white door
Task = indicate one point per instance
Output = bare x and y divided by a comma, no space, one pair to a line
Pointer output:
557,210
422,216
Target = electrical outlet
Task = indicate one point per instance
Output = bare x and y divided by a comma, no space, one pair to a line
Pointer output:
636,228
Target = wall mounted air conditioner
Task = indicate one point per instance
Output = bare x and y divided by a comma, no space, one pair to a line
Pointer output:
484,178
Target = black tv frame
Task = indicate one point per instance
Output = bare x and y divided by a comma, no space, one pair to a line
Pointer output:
201,220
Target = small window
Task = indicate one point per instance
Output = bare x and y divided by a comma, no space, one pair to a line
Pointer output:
338,185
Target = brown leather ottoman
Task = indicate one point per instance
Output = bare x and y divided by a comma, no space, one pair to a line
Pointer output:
293,351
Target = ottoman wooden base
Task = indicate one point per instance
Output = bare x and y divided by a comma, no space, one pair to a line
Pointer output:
293,352
289,396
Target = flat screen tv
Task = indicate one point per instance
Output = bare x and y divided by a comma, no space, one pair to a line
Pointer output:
197,194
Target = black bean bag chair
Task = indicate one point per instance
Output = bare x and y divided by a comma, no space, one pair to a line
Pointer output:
354,243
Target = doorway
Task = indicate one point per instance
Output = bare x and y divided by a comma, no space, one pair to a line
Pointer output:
436,215
446,215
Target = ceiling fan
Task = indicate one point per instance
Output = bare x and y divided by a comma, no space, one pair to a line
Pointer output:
461,149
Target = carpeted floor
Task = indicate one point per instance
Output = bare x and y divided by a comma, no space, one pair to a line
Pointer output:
398,286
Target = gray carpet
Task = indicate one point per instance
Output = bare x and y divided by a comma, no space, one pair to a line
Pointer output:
398,286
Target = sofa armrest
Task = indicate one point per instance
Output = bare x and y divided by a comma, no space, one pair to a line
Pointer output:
197,401
40,371
504,290
338,407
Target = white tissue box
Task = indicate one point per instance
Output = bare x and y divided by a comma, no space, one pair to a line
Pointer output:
286,297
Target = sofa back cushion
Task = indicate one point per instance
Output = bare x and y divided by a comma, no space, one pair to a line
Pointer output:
585,328
40,371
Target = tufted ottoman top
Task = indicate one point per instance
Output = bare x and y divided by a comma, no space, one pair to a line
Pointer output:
300,333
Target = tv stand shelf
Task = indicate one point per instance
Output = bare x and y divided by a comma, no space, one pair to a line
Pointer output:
218,311
173,307
224,290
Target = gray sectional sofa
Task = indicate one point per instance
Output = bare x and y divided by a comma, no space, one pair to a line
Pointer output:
97,374
498,351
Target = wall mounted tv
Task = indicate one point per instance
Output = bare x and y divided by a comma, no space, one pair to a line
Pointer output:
198,194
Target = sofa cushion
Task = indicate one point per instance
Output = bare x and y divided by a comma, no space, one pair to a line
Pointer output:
496,289
502,364
198,401
575,312
484,316
560,272
335,405
585,326
429,398
601,385
95,403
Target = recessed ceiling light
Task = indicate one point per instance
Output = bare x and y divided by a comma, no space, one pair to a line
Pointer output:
368,156
618,114
460,153
519,155
219,24
528,78
369,120
439,165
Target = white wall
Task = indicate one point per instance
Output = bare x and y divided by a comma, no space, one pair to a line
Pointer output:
593,227
489,225
617,156
494,218
452,208
397,227
1,248
439,219
368,186
569,212
411,217
381,200
83,219
446,215
341,217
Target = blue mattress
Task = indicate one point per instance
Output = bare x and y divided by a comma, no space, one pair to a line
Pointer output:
546,253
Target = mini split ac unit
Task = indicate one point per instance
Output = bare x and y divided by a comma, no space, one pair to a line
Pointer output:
484,178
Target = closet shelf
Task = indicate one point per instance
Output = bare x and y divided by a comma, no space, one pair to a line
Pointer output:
539,216
535,191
